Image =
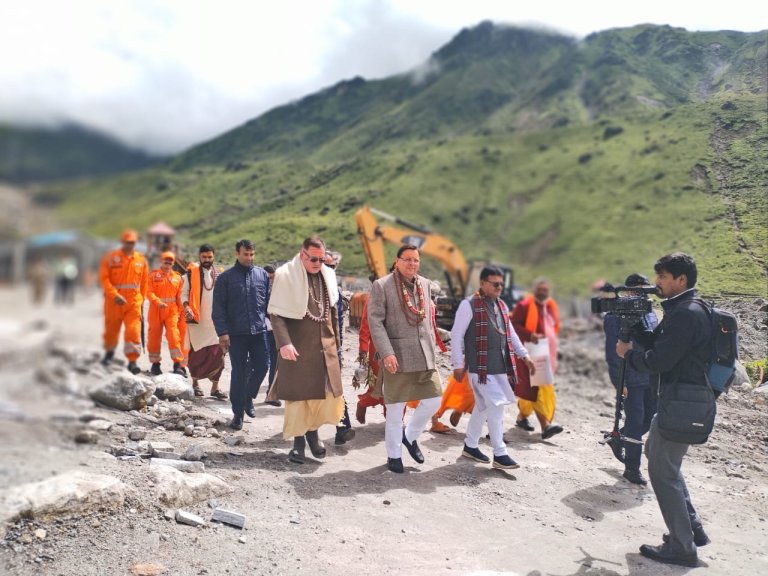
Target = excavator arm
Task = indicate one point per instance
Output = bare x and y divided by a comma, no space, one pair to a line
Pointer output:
372,236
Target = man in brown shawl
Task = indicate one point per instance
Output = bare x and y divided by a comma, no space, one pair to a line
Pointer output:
304,318
399,317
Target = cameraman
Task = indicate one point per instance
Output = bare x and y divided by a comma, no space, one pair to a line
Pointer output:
639,394
678,353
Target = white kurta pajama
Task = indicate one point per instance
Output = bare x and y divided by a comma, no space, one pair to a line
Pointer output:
496,392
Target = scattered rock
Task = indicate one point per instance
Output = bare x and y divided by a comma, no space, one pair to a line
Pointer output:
195,453
173,386
228,517
87,437
158,446
183,517
124,392
147,569
182,465
100,425
175,488
137,434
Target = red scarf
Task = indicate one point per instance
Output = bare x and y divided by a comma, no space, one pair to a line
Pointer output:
480,317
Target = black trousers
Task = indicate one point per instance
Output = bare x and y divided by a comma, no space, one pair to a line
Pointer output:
249,356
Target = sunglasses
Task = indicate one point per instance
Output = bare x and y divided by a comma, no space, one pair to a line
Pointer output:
495,284
314,259
331,266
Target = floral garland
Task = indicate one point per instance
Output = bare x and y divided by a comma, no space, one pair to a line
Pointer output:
413,315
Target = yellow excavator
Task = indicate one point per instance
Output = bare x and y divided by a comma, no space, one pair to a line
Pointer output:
462,278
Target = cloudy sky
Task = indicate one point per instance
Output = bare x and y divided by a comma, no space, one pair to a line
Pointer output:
166,74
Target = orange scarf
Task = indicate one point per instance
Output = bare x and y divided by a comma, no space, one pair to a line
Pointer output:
194,289
532,318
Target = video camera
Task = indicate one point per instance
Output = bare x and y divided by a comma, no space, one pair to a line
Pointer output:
629,303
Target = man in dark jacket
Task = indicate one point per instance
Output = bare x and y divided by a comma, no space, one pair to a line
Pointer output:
240,300
679,352
639,394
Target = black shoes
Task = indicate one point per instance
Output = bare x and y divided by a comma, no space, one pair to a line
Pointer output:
155,369
343,435
315,445
250,409
133,369
177,369
504,463
635,476
273,403
664,554
236,423
296,455
524,424
550,431
395,465
413,450
108,355
700,537
475,454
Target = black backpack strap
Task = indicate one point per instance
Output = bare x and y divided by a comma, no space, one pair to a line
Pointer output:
708,311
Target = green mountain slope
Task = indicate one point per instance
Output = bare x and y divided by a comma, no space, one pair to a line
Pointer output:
42,154
578,160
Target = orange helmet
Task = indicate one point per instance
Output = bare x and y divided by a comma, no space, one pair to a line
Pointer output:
129,236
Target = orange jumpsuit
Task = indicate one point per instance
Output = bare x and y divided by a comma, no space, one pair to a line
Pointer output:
126,276
165,288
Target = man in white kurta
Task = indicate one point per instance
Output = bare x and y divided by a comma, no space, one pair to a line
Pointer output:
483,342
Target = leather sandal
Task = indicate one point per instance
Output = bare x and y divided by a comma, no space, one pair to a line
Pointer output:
197,390
219,394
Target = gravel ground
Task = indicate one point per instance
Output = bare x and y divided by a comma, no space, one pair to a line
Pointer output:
566,511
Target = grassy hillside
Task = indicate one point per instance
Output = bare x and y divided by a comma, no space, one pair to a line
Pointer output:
575,161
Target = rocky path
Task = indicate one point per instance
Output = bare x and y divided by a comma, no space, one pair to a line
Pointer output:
566,511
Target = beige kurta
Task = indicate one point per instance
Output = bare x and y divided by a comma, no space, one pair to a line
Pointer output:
203,334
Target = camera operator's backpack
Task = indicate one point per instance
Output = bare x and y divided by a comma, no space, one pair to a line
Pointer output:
725,347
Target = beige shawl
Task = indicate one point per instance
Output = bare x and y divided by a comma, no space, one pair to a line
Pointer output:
290,289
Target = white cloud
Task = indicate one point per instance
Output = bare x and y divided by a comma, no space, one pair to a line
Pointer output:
166,74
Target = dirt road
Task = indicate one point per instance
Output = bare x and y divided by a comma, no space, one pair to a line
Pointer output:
566,511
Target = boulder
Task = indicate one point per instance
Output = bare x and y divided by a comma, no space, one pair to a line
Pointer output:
168,386
70,494
175,488
124,392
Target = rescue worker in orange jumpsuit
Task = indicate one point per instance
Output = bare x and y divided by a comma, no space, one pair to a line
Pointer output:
164,308
124,274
